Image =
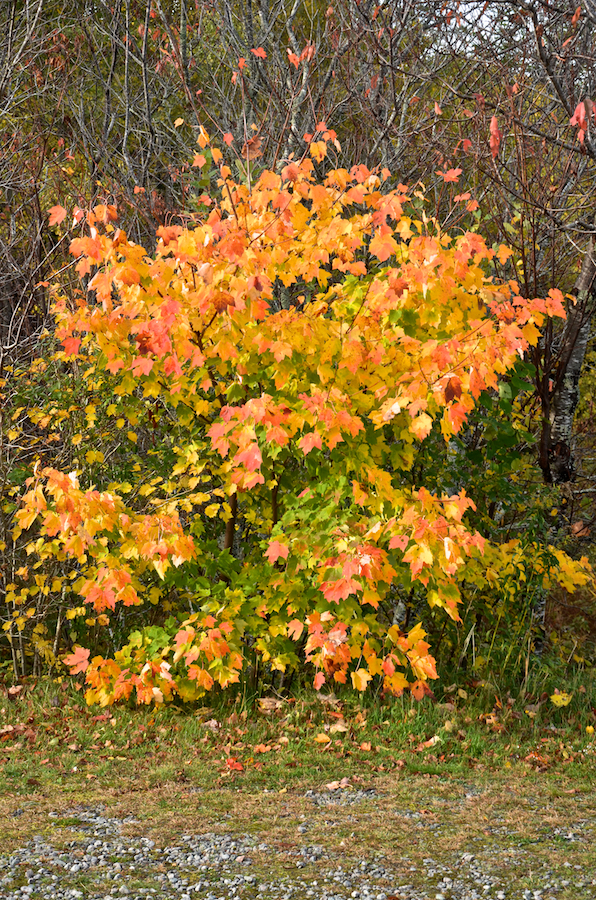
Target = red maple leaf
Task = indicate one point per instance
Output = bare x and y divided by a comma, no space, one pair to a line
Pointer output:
71,345
579,118
399,540
141,366
334,591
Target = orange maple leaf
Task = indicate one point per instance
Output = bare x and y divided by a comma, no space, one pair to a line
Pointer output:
495,137
77,661
319,681
310,440
250,457
275,550
57,215
450,175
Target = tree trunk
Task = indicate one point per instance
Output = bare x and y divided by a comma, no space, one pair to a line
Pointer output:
560,403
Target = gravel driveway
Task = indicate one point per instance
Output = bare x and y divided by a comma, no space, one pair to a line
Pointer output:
97,857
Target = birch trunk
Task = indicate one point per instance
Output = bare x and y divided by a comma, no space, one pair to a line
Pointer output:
556,456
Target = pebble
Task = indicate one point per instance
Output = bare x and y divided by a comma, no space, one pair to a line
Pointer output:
217,866
340,798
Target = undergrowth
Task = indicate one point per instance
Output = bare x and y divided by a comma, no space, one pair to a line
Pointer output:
51,741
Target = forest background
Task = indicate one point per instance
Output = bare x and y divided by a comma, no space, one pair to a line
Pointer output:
482,112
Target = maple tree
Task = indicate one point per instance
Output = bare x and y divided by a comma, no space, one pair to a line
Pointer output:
426,104
489,105
297,343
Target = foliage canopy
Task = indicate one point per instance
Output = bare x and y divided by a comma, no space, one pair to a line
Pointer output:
297,343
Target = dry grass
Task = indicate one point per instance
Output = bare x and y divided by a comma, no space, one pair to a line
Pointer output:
488,814
510,794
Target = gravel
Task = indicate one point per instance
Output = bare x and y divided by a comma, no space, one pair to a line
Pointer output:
101,863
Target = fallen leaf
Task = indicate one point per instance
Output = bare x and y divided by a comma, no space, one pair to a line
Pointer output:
561,698
338,727
268,705
322,738
328,699
336,785
536,759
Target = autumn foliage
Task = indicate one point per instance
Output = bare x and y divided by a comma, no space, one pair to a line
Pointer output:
302,336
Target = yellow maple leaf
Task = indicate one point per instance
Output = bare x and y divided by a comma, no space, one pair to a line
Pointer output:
360,679
421,426
561,698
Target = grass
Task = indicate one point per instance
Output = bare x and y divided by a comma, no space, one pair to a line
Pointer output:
48,736
452,776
